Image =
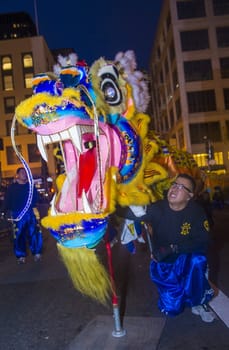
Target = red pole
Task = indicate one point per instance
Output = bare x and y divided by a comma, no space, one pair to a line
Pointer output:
118,332
111,271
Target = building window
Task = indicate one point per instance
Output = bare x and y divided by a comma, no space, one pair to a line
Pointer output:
9,104
172,52
181,138
222,34
194,40
27,60
224,67
218,157
8,128
168,21
168,89
178,108
7,63
161,77
166,66
8,83
28,69
226,98
11,156
198,70
171,116
158,52
211,130
200,159
227,128
28,80
220,7
7,73
190,9
175,80
34,154
201,101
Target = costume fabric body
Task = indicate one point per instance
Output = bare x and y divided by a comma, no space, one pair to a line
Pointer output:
27,228
180,274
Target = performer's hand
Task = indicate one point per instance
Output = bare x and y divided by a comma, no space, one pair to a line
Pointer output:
138,210
162,253
152,257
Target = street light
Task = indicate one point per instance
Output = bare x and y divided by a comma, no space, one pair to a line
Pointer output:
36,16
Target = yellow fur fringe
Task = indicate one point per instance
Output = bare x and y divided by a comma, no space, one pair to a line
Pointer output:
88,275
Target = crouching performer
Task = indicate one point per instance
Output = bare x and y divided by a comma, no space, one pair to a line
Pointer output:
180,238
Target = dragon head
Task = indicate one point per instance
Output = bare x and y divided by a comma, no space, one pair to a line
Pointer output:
95,118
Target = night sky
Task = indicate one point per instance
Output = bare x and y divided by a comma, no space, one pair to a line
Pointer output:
95,28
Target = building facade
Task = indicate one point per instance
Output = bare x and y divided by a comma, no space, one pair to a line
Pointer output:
22,55
189,75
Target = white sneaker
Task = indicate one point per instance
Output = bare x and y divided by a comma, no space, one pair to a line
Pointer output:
204,311
21,260
37,257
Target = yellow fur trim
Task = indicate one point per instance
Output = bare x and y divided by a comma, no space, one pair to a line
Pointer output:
26,107
140,122
130,103
134,192
55,222
154,173
88,275
110,189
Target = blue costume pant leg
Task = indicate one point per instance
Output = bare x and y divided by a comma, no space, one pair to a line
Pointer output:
34,234
197,288
19,239
181,283
27,228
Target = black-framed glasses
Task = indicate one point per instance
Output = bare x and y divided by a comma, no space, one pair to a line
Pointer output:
180,187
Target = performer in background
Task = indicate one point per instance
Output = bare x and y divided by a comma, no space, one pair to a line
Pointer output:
180,238
26,228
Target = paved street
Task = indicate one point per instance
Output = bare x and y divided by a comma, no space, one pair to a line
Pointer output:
40,309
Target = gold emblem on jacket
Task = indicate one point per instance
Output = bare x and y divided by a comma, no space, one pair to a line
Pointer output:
185,228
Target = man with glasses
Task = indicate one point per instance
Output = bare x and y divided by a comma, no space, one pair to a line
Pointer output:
180,238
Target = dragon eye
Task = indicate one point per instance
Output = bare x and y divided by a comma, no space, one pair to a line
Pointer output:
111,91
109,85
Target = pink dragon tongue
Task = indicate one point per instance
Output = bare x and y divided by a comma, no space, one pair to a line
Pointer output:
87,168
67,200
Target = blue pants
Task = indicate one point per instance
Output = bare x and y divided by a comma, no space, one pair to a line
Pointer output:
181,283
27,229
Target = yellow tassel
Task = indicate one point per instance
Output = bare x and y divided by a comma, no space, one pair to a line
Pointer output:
88,275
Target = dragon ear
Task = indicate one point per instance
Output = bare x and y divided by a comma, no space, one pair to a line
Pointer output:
136,79
70,72
127,60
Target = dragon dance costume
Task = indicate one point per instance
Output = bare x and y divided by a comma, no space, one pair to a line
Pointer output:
180,274
27,227
97,117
